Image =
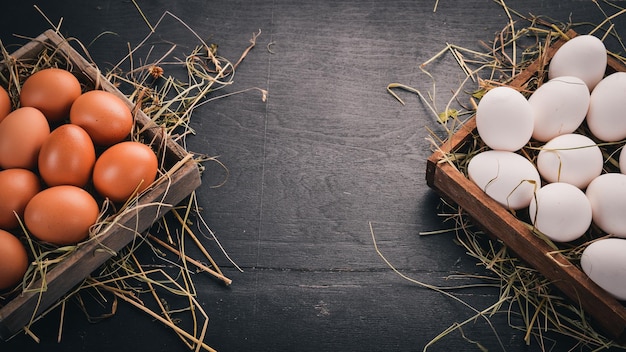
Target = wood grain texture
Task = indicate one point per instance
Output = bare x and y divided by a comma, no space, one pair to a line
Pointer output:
329,152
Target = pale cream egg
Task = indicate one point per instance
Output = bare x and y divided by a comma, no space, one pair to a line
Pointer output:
559,107
571,158
605,264
560,211
583,56
607,104
507,177
607,195
504,119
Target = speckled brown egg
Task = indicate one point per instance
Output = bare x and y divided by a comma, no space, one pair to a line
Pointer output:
17,187
13,260
61,215
67,157
124,169
51,90
22,133
106,117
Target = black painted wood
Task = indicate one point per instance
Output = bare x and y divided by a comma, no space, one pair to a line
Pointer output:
327,154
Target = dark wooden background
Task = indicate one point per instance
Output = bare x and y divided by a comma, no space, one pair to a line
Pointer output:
327,154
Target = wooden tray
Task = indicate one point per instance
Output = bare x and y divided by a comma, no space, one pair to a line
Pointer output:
495,220
184,179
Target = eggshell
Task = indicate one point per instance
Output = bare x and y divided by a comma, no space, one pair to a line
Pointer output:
52,91
583,56
571,158
607,106
13,260
5,104
22,133
607,195
605,264
507,177
504,119
560,211
106,118
123,169
559,107
17,188
67,157
61,215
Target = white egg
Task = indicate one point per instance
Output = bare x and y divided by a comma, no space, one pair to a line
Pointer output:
571,158
559,107
560,211
583,56
605,264
607,106
607,195
504,119
507,177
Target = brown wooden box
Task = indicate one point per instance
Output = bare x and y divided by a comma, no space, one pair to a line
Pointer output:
495,220
184,179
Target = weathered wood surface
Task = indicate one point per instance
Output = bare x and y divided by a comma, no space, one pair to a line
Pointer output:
329,152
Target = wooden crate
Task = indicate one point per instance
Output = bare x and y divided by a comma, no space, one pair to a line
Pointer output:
495,220
184,179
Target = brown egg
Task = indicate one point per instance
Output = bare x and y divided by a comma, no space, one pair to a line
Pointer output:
61,215
13,260
5,104
106,117
123,169
17,187
67,157
22,133
51,90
